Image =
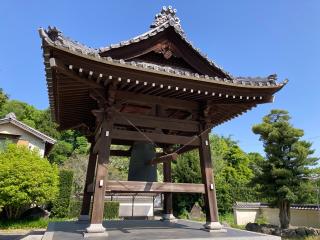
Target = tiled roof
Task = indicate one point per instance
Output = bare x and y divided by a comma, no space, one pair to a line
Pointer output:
265,205
54,37
10,118
165,19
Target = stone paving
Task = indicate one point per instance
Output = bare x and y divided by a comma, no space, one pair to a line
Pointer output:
149,229
22,234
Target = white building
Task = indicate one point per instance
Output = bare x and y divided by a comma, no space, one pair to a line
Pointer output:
17,132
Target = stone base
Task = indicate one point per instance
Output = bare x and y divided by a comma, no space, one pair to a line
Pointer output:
168,218
214,227
87,235
96,228
83,218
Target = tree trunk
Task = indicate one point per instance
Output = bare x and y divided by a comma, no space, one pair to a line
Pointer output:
284,213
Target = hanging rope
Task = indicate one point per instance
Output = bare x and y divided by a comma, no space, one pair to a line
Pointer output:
152,142
142,133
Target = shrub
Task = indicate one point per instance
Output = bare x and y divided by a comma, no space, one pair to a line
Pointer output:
61,204
111,210
26,178
75,208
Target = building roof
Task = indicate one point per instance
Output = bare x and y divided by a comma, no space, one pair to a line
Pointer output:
166,19
250,205
183,73
11,118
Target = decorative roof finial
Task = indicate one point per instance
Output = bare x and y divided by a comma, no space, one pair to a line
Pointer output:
53,33
11,115
167,14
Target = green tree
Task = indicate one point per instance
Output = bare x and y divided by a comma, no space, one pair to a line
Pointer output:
62,203
69,141
232,172
61,151
234,177
186,170
3,98
77,163
288,161
26,179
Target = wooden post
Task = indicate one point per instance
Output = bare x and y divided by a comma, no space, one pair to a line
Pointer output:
86,201
167,201
212,217
103,151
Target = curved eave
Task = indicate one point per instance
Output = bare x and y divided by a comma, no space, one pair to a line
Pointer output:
197,78
205,83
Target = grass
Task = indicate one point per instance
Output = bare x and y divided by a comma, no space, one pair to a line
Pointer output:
29,224
225,218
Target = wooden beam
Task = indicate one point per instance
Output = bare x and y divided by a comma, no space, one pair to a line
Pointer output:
170,103
165,158
60,66
155,137
156,122
154,187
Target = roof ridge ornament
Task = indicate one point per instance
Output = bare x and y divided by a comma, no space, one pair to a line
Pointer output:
11,115
53,33
167,14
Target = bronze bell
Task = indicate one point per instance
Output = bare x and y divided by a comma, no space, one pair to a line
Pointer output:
140,168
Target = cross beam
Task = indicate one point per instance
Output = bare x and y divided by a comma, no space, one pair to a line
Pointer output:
154,187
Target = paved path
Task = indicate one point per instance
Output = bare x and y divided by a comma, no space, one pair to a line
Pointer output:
145,230
22,234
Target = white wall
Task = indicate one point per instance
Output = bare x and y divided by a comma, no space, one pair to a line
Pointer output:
142,206
34,142
299,217
245,215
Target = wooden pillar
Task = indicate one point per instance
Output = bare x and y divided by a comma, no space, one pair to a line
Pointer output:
212,217
103,152
88,189
167,201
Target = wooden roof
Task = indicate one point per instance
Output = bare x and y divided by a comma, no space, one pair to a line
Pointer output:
160,65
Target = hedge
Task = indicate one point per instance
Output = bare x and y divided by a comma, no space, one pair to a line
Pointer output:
75,208
61,204
111,209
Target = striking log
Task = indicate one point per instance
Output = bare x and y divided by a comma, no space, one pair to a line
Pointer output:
154,187
164,159
120,153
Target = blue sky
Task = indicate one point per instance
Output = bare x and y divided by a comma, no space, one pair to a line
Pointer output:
246,38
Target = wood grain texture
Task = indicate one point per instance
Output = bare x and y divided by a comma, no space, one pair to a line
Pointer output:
155,187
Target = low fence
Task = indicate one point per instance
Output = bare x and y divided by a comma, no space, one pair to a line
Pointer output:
301,215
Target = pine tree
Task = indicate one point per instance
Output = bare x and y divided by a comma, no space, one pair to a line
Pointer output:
288,159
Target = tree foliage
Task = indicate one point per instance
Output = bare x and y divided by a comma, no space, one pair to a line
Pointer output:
69,141
3,98
62,202
26,179
288,161
232,172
